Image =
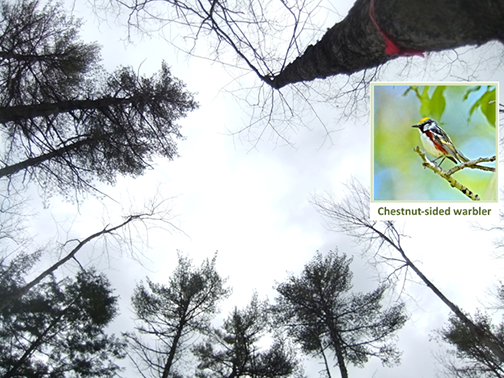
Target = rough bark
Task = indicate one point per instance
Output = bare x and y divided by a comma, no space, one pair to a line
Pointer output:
355,43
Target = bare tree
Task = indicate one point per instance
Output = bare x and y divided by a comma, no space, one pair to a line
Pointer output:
351,216
276,41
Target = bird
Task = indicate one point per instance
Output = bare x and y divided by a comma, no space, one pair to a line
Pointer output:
437,142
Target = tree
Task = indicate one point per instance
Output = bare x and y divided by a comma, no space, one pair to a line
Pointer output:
15,292
90,126
320,313
351,216
276,41
57,330
171,314
42,58
372,33
234,351
476,358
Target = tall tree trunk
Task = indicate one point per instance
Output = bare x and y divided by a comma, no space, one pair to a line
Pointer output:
25,112
33,162
361,40
338,349
326,362
173,349
487,339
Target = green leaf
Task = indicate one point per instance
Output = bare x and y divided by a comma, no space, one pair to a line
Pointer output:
425,106
486,103
488,106
438,102
470,90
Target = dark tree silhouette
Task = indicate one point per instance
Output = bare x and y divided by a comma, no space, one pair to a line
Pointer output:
171,314
15,292
474,359
41,56
234,350
322,314
67,123
57,330
351,216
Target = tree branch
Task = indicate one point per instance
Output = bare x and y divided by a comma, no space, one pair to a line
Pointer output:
447,175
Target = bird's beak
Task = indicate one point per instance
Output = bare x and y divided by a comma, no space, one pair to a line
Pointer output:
415,126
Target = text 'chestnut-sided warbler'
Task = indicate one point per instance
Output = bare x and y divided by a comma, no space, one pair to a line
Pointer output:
437,143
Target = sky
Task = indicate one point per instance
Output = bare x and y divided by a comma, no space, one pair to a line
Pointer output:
251,201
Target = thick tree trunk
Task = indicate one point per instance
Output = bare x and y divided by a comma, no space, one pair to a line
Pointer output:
25,112
359,41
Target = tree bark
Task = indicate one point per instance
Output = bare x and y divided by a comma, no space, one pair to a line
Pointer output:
359,42
25,112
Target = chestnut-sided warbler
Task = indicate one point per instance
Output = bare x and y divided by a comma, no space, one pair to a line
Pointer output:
437,143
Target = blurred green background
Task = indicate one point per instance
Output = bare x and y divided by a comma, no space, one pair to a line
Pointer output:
466,112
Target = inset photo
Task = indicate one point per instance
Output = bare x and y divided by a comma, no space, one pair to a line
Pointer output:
434,142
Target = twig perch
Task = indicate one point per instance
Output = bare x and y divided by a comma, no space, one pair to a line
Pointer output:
473,164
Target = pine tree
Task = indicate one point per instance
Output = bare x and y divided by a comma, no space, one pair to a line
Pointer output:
57,329
67,123
321,314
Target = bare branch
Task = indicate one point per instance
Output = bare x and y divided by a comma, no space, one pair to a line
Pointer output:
351,216
447,175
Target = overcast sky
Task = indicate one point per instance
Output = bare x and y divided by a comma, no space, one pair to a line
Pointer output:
251,203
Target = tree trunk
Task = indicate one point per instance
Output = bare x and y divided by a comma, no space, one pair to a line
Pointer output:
361,40
326,362
13,372
25,112
489,340
338,349
33,162
22,291
173,349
